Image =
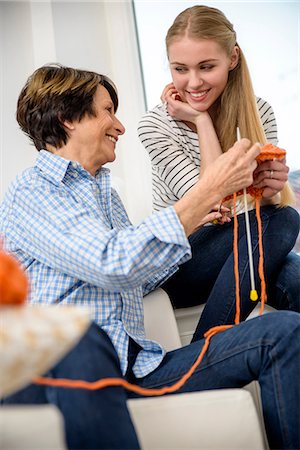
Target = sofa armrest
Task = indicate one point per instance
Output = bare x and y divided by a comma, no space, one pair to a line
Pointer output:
159,319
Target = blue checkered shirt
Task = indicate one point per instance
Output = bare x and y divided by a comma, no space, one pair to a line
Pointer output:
71,233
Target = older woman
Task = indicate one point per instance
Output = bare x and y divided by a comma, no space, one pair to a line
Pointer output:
69,229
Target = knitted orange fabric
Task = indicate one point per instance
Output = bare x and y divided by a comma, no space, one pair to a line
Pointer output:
268,152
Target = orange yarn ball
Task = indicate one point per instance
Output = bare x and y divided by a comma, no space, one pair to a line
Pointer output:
14,284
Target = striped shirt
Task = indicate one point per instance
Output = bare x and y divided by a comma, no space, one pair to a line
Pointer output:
72,235
174,151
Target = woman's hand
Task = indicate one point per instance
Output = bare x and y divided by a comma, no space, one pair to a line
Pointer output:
199,121
218,215
234,169
229,173
178,108
271,176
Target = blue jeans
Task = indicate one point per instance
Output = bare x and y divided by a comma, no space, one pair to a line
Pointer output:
266,349
93,419
209,277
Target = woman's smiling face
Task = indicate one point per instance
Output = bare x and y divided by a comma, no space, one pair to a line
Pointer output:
200,69
93,139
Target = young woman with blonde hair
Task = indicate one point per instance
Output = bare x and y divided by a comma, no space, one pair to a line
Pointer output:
211,94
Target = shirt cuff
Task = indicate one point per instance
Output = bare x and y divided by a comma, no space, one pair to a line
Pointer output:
166,226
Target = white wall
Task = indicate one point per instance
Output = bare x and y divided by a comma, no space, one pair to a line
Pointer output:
95,35
17,62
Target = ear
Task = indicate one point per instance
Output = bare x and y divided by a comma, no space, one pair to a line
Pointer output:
234,59
67,124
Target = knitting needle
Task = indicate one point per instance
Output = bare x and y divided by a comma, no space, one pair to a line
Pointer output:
253,292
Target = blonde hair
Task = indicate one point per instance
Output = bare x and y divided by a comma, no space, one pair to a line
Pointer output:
238,105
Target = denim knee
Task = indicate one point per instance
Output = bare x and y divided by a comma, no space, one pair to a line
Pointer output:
286,219
280,323
286,292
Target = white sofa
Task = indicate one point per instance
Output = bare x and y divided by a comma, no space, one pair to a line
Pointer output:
218,419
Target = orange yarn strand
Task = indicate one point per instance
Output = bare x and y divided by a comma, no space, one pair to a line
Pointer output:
108,382
268,152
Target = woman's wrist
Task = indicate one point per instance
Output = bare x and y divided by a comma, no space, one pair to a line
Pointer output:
195,205
202,119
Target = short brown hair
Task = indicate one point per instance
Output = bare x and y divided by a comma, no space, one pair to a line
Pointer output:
54,93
